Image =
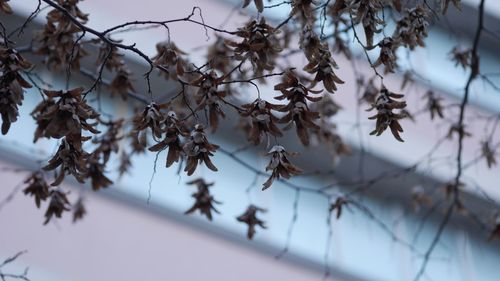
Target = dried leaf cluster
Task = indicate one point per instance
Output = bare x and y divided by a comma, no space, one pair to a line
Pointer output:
210,95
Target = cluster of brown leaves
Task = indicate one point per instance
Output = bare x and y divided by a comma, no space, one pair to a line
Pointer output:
387,56
385,104
5,7
249,217
410,31
338,205
181,143
461,56
37,187
309,42
151,117
458,129
434,105
280,166
169,57
79,210
58,204
108,143
262,121
65,114
366,12
219,56
204,202
260,45
322,65
304,9
198,149
58,40
95,172
412,28
488,153
173,131
209,97
71,160
113,61
297,110
370,91
11,85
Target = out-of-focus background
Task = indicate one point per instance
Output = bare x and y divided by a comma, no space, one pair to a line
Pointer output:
125,237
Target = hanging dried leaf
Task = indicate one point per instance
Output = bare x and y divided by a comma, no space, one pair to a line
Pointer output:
280,166
411,30
109,142
64,114
385,104
262,121
151,117
322,65
488,153
72,160
125,163
297,110
37,187
198,149
5,7
459,130
58,205
12,85
260,45
304,9
367,13
387,56
79,210
461,56
170,58
58,40
204,202
95,171
173,131
219,56
338,205
434,105
209,97
249,217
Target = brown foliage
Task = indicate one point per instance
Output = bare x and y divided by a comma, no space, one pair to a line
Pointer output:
385,104
280,166
198,149
11,84
204,202
249,217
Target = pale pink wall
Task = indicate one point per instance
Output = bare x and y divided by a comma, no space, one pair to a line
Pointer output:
119,242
